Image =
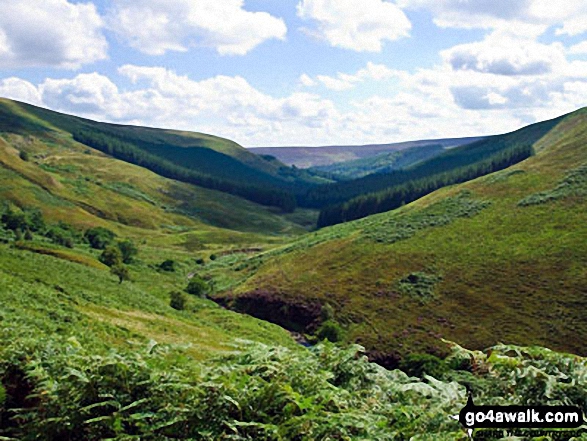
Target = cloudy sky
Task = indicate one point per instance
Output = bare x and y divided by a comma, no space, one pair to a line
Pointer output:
300,72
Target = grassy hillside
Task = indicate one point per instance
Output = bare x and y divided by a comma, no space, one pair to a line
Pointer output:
379,192
83,357
203,160
382,162
24,118
96,345
72,182
501,258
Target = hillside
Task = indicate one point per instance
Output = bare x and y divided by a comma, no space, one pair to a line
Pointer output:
306,157
382,162
501,258
72,182
84,357
378,192
106,331
195,158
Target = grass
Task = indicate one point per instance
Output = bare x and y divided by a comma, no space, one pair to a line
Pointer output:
92,189
84,357
509,273
573,184
87,302
102,191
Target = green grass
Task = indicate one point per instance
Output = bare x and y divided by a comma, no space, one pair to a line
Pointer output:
85,357
91,189
87,302
509,273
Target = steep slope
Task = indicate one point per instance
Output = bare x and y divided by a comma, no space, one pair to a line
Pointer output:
72,182
25,118
305,157
379,192
84,358
501,258
199,159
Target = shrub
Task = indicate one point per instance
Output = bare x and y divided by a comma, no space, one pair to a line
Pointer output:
177,300
121,272
417,365
34,219
128,250
111,256
200,261
167,265
327,312
212,256
61,234
331,331
14,221
28,235
419,285
99,237
24,155
197,287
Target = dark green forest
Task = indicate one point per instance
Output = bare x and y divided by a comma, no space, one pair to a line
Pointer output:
164,159
415,188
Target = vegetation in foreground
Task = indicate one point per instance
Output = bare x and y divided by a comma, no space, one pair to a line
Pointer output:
115,338
59,389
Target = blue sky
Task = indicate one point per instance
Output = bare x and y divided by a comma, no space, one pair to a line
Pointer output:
300,72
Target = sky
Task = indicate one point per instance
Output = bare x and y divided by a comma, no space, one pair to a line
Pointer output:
300,72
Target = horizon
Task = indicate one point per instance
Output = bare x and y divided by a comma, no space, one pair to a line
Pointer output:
305,73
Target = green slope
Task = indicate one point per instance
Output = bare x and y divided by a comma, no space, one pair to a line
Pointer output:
204,160
383,162
24,119
378,192
501,258
82,186
84,357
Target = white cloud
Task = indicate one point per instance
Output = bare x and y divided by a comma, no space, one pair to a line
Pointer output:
578,49
306,80
441,101
432,103
86,94
157,26
20,90
523,17
342,81
360,26
53,33
505,54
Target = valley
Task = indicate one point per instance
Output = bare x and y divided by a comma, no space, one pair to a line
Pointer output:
151,278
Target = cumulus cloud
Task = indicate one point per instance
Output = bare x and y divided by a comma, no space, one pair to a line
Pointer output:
360,26
86,94
157,26
505,54
524,17
52,33
20,90
441,101
306,80
343,81
579,49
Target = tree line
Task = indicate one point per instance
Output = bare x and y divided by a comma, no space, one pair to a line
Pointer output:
410,190
129,152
